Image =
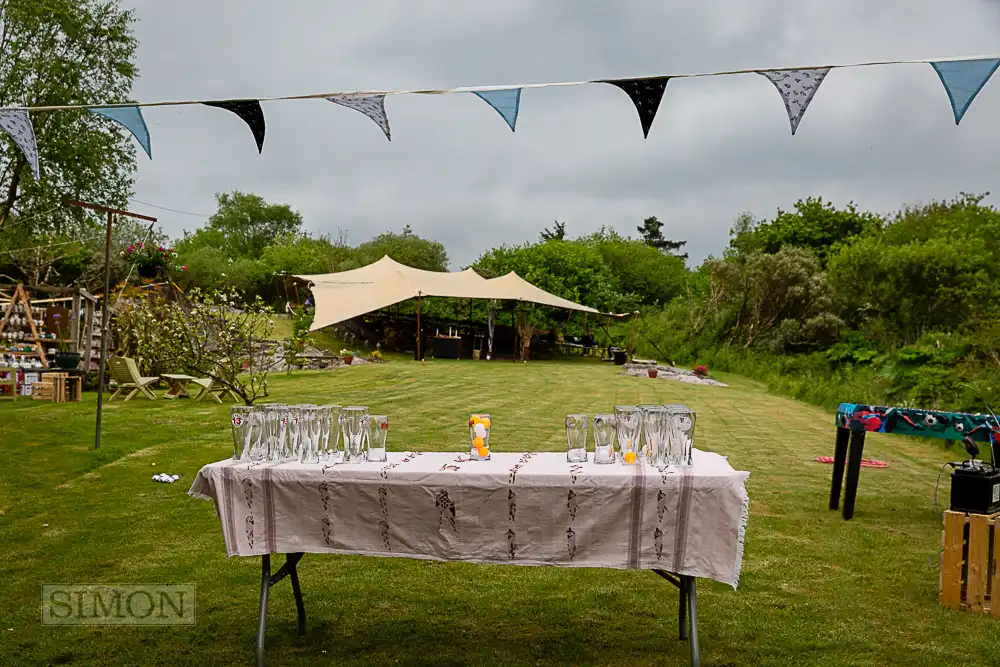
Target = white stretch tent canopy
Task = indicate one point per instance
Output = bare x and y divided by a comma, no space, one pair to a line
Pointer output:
341,296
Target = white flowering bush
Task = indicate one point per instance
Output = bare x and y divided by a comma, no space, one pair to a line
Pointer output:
144,333
222,338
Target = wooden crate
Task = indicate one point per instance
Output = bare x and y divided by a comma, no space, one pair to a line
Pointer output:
52,387
970,577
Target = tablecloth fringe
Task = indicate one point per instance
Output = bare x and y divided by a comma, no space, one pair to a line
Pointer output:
744,517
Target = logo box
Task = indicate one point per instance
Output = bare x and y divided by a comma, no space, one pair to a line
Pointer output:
118,604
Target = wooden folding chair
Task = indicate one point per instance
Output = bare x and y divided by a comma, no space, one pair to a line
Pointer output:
216,391
124,371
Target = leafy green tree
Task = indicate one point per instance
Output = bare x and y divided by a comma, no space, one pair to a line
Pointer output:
640,270
557,233
652,235
815,225
574,271
244,225
406,248
912,288
64,52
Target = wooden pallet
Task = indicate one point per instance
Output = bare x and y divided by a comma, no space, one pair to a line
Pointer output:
970,576
52,387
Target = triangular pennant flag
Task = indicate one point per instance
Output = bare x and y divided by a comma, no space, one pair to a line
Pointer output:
797,88
250,112
646,95
963,79
372,106
131,119
506,103
17,124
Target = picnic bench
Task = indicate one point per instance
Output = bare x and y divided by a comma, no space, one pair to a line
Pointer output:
855,420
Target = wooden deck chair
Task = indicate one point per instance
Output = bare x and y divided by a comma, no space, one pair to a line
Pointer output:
217,391
124,371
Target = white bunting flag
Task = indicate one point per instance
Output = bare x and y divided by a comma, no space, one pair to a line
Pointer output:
797,88
17,124
372,106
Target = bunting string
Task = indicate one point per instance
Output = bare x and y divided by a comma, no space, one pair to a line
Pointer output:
962,78
474,89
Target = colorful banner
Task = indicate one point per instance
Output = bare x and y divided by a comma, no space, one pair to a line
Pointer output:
797,88
250,112
646,95
372,106
131,119
962,80
507,103
17,124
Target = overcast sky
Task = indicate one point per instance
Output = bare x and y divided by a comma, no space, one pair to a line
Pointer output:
879,136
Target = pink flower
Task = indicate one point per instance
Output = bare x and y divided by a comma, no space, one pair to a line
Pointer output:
184,268
131,247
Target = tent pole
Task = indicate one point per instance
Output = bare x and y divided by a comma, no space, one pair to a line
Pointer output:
420,357
632,342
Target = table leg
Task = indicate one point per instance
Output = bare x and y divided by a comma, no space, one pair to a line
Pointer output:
682,631
265,585
689,606
176,390
300,607
693,612
839,458
853,471
288,569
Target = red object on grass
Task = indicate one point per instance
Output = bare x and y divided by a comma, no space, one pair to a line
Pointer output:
865,463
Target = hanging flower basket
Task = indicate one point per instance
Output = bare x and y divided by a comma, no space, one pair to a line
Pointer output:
147,271
151,261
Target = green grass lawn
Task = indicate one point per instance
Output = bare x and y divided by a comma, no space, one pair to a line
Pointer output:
816,590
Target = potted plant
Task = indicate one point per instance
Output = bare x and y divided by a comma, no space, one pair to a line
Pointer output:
700,371
67,358
347,355
652,373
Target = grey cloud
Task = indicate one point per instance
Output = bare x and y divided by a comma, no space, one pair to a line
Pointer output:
454,171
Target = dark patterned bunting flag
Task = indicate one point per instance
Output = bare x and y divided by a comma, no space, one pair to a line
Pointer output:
250,112
645,95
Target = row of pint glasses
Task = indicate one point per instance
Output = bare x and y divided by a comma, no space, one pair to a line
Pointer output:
308,433
663,434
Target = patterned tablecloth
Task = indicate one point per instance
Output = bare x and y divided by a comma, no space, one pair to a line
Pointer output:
522,509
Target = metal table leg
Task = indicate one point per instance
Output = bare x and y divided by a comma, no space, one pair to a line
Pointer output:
288,569
693,612
689,606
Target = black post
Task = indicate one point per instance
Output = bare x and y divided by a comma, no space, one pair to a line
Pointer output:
839,459
853,471
105,314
